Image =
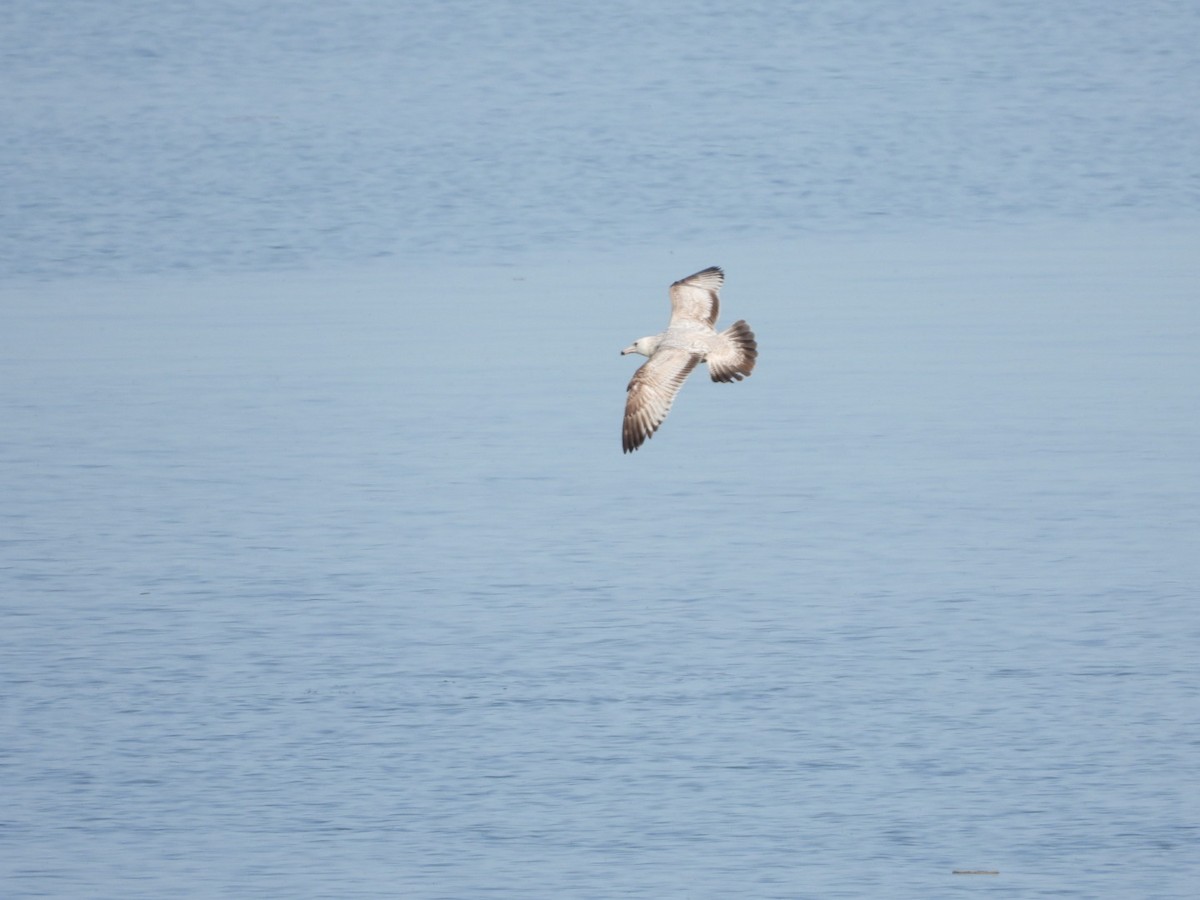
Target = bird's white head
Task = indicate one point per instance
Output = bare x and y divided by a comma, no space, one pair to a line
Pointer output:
644,346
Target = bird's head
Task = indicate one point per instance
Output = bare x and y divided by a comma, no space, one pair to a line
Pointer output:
644,346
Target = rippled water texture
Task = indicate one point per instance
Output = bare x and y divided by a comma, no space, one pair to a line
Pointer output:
226,135
322,573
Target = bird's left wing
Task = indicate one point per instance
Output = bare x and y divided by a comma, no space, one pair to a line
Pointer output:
651,392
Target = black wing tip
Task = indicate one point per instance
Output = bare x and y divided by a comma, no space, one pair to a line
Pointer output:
633,437
711,270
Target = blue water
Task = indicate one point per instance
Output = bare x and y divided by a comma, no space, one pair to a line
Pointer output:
322,573
238,136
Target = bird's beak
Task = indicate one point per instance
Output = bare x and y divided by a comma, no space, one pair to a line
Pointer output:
630,349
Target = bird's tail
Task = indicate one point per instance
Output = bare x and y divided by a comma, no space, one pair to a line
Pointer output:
737,354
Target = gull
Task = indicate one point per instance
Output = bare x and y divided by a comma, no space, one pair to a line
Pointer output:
689,340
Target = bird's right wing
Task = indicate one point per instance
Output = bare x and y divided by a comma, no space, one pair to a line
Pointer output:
651,392
697,297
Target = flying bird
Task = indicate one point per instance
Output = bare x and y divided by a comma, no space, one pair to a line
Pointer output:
689,340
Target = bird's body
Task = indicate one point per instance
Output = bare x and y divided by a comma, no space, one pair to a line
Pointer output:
689,340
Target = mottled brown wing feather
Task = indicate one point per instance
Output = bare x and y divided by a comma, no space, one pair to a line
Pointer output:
697,297
651,392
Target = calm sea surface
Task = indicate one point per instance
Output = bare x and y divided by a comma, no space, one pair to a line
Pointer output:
322,573
233,135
